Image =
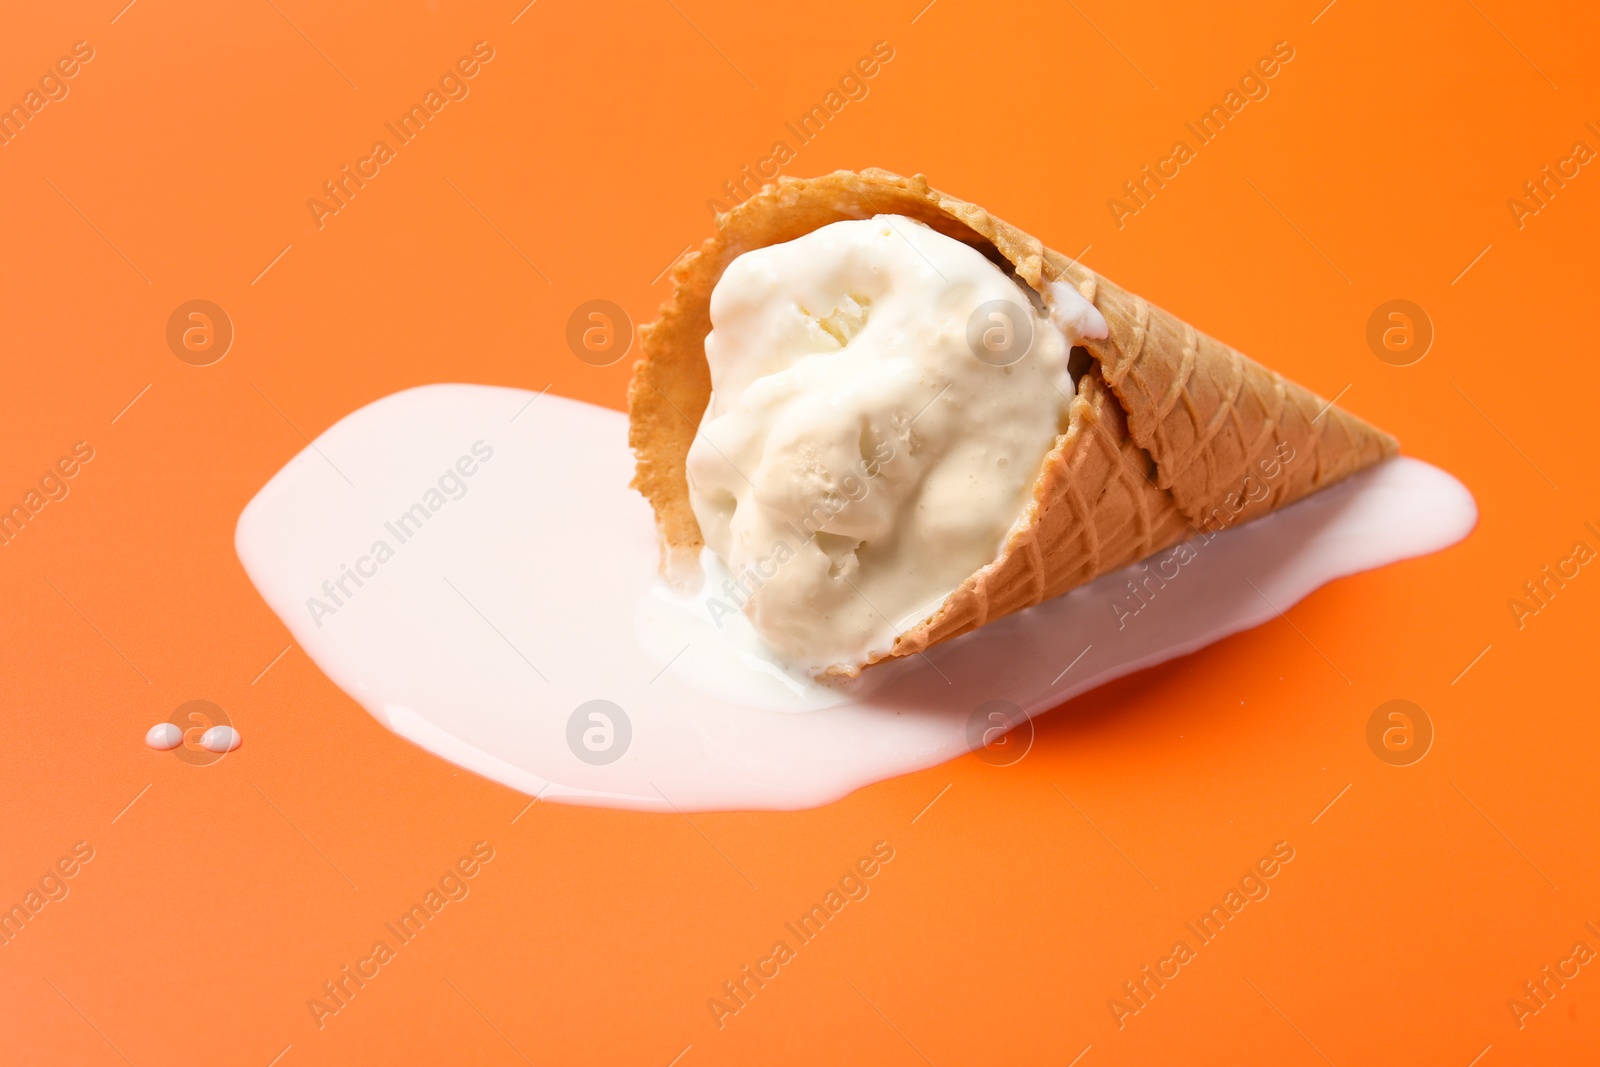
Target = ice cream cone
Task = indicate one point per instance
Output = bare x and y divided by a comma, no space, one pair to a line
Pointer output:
1171,435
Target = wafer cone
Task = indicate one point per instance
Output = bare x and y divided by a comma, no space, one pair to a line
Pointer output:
1171,433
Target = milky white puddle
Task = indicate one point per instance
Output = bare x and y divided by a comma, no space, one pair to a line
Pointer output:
469,564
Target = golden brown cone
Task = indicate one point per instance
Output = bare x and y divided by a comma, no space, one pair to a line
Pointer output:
1172,433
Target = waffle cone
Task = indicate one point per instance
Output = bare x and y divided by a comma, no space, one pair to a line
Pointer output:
1171,434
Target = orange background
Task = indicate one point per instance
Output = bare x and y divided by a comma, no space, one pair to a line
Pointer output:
580,165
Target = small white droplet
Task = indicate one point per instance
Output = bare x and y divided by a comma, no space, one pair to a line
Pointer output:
164,736
220,739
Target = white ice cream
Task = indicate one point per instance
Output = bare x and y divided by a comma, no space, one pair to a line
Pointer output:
882,398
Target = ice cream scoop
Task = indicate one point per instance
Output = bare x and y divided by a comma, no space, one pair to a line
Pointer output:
882,397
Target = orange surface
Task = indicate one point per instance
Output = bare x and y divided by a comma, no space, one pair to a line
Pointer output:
178,166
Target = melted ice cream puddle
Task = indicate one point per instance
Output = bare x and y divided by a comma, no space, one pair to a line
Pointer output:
510,620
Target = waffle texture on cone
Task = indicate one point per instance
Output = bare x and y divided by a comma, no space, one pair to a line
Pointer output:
1170,435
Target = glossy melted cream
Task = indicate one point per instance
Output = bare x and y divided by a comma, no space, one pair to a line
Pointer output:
468,563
